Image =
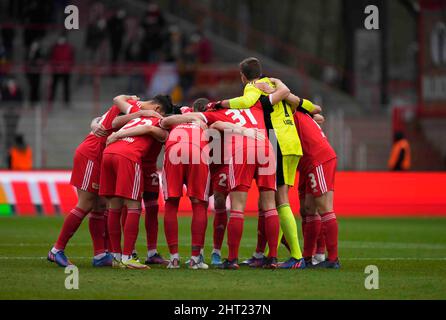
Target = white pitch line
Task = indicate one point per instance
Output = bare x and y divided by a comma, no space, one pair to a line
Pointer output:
345,259
391,245
394,259
342,244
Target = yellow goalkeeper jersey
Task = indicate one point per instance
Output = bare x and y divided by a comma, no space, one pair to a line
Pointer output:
280,116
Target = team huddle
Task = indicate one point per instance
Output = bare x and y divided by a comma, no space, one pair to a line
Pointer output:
213,149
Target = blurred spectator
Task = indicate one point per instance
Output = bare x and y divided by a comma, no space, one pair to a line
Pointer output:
174,45
116,31
134,51
58,15
400,157
204,49
35,14
20,155
35,63
187,66
94,39
12,102
134,54
3,58
154,26
7,35
62,61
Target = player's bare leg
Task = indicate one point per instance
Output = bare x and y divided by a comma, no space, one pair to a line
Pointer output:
171,231
220,223
324,205
131,230
86,202
151,223
198,231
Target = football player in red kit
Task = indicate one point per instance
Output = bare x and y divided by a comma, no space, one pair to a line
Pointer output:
150,196
185,163
317,170
219,188
249,158
122,180
85,177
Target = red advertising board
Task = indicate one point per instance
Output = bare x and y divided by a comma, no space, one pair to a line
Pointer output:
357,194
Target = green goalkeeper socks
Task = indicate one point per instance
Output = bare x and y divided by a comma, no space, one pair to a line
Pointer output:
289,227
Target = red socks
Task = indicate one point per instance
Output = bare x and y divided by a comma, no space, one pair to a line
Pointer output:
96,225
235,231
220,223
261,236
107,244
151,223
198,227
304,222
70,226
320,249
114,229
171,225
131,229
330,228
123,216
272,228
311,234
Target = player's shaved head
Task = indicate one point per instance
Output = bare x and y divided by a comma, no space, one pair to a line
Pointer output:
251,68
199,105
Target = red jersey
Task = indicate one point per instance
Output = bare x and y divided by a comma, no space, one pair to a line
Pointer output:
186,110
152,156
135,148
248,118
92,146
315,145
189,133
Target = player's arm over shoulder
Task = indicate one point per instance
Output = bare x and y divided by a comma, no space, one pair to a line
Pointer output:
147,129
303,104
133,113
122,103
250,96
172,121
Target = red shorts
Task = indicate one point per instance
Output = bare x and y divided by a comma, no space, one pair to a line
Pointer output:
121,177
241,173
319,180
85,174
219,178
151,178
196,177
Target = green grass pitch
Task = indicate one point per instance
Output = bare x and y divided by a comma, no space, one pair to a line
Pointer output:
409,253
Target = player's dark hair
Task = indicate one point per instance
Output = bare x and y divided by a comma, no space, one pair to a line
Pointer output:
165,102
200,104
176,110
251,68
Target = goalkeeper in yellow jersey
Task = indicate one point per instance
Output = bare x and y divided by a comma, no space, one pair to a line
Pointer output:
280,122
